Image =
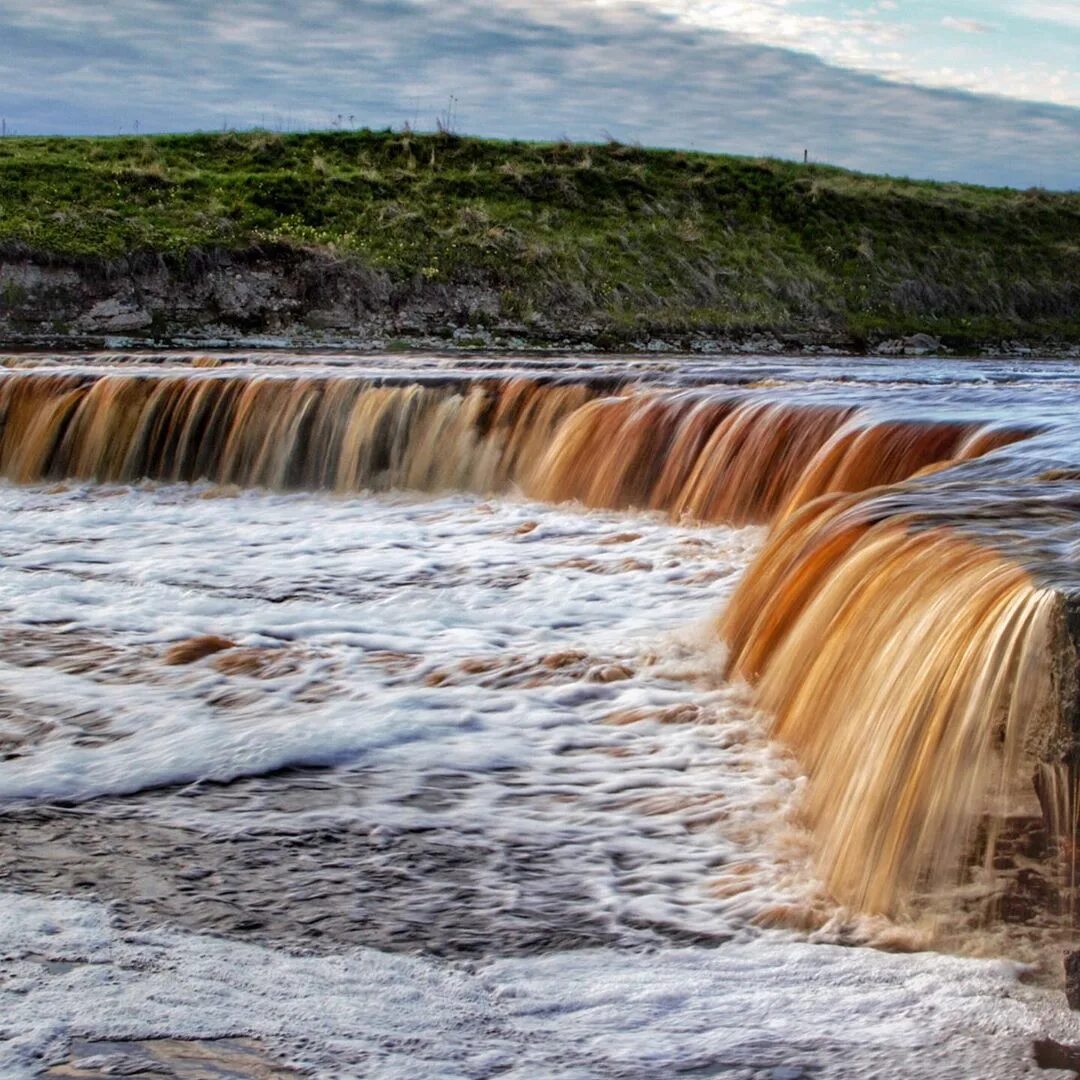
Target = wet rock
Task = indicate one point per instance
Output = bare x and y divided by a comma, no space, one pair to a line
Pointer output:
1050,1054
1072,979
473,337
196,648
921,345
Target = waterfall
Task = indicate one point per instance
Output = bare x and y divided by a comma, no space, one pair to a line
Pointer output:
914,671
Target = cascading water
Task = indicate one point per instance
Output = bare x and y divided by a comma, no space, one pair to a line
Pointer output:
306,433
906,668
321,727
912,674
700,455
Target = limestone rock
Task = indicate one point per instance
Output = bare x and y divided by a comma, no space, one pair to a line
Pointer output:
116,316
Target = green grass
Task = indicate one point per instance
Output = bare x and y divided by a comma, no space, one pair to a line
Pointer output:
636,240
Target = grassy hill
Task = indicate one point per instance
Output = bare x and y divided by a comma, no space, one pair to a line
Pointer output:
633,241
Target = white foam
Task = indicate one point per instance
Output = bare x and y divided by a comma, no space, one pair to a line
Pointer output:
678,817
380,601
771,1008
440,581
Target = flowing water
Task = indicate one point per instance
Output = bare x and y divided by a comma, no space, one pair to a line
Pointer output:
518,718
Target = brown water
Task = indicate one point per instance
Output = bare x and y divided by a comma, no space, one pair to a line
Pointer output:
910,647
913,675
707,456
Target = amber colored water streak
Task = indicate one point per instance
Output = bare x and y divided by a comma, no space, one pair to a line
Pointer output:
860,457
308,432
706,456
912,673
745,461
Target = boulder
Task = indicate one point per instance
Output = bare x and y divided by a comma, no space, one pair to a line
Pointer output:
912,345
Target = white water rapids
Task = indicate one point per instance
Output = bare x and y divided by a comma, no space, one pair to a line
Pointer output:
554,670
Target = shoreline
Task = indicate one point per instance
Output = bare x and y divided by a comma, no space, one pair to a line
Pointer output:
453,343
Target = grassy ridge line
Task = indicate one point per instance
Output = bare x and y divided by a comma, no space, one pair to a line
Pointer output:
636,240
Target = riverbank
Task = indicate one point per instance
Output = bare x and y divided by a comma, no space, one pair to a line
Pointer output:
384,240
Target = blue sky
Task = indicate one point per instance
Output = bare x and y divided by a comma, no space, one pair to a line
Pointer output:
987,90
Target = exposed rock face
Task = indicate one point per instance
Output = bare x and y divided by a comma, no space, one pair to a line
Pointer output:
114,316
303,298
228,295
310,297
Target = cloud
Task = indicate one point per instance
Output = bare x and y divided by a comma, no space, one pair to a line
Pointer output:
534,69
1063,12
967,26
887,39
855,39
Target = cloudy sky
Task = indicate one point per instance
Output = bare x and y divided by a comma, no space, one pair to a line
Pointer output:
983,90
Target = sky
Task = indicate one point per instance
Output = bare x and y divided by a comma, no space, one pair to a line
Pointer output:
977,90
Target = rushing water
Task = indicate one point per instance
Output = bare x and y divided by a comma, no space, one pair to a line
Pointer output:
450,780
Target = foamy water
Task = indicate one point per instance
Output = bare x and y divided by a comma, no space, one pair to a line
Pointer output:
772,1008
553,674
561,662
